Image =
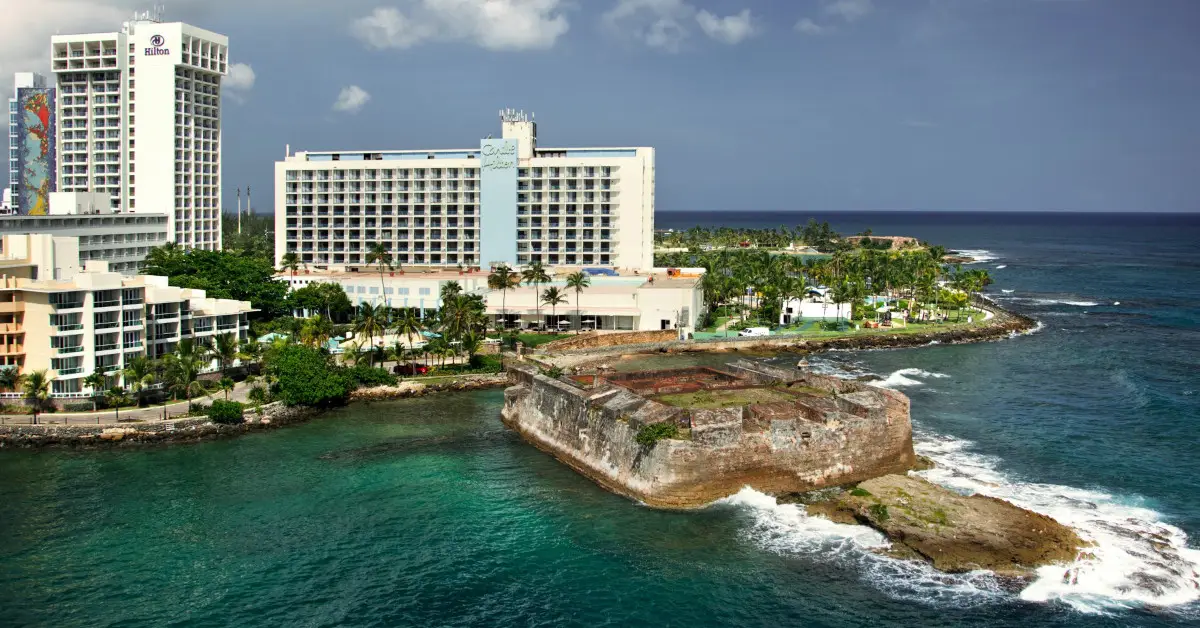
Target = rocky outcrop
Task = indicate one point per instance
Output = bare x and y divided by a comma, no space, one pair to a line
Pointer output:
952,532
858,433
410,388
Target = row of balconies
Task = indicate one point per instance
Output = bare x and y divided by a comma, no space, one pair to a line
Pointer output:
465,174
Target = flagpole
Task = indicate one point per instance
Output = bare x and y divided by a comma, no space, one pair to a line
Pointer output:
239,210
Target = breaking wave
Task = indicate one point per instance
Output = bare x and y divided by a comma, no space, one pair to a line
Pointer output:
907,377
1002,266
1136,560
978,256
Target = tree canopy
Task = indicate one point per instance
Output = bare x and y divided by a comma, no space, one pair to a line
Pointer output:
223,275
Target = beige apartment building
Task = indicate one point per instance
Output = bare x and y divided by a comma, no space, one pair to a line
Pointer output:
101,320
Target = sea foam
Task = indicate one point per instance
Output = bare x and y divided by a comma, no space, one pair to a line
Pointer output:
1136,558
905,377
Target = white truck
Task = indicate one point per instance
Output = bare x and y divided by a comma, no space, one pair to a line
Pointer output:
755,331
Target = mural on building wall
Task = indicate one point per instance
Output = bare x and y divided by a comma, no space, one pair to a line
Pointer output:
35,149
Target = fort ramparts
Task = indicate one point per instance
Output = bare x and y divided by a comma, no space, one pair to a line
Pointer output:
683,438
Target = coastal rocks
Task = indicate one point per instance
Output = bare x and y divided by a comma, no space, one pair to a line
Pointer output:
408,388
952,532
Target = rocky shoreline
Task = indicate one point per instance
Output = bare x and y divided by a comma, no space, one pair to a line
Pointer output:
196,429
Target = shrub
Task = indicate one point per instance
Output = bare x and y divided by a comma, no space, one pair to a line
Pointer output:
77,407
362,375
879,512
225,412
307,377
860,492
649,435
259,395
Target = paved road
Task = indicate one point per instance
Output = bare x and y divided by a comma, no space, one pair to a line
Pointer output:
153,413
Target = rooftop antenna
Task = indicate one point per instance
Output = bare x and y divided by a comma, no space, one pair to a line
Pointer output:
239,210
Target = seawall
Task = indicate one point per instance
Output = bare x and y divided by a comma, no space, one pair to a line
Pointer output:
858,432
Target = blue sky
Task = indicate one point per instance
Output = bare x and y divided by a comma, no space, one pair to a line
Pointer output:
1084,105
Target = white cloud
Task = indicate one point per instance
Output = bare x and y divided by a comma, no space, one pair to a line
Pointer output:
241,77
27,26
665,24
490,24
240,80
809,27
351,99
849,10
731,29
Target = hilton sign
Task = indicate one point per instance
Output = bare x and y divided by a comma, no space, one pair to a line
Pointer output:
156,47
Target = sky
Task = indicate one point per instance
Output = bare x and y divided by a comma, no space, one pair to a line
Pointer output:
807,105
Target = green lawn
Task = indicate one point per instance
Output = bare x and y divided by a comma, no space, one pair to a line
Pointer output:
709,399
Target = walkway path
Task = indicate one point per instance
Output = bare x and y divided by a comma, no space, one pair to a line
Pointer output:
153,413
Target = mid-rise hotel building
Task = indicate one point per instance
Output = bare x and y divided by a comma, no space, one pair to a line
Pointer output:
507,201
100,320
138,117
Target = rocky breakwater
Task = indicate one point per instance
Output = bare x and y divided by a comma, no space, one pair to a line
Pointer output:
952,532
686,437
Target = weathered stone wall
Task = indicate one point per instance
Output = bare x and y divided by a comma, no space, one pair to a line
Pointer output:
593,340
869,435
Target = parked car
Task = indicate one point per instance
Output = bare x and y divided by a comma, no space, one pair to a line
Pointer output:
755,331
410,369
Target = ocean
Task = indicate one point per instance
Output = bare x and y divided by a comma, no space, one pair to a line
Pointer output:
429,512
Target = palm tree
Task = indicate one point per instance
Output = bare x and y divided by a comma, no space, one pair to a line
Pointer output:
139,375
114,397
450,289
553,297
409,325
35,385
471,344
225,350
370,322
96,382
291,262
226,384
378,254
183,368
9,378
503,279
535,274
577,281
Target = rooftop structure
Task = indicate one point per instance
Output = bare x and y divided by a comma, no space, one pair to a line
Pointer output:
139,118
100,320
507,201
98,233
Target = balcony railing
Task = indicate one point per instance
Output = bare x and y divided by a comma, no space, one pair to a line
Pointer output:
106,324
66,328
100,348
114,303
69,350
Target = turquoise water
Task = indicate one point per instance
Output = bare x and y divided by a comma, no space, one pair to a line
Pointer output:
428,512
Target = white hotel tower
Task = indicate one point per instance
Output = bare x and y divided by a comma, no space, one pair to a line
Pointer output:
139,117
508,200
